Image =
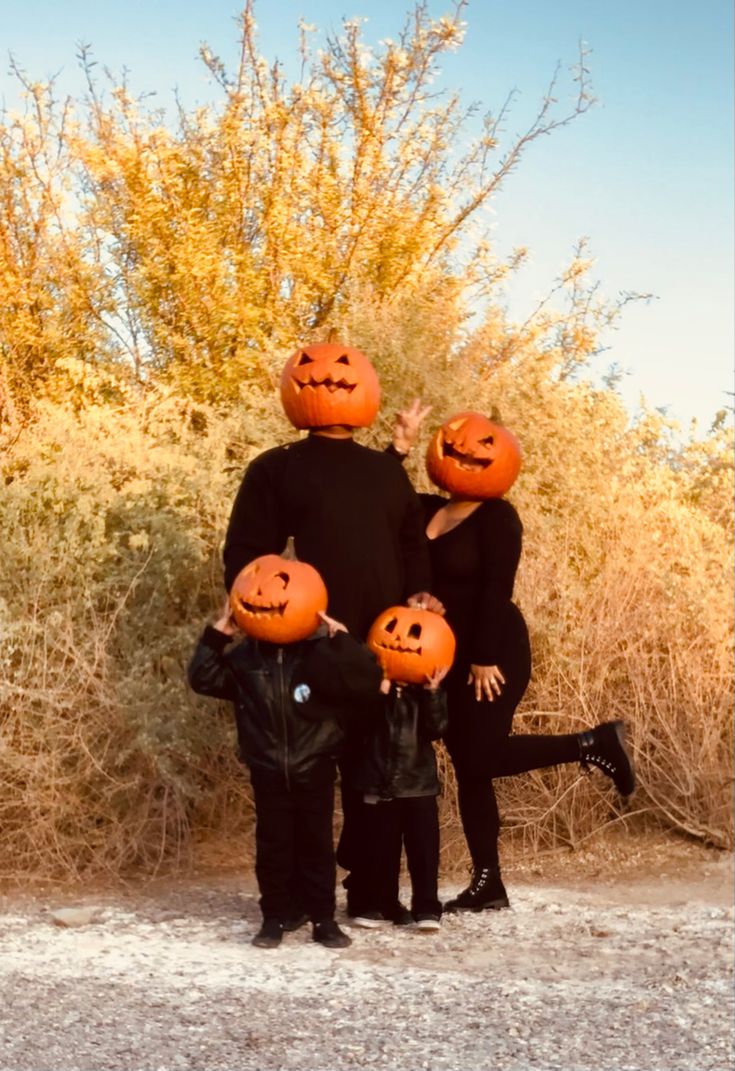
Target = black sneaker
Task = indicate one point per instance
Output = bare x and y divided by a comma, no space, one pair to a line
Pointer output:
485,892
328,933
398,914
269,935
295,923
604,747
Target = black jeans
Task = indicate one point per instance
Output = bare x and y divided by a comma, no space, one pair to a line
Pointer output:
411,823
294,850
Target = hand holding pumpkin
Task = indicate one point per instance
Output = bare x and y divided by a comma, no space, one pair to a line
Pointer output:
488,682
433,680
407,425
225,622
333,626
423,600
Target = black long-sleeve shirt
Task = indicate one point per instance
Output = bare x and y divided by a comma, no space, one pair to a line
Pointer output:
474,566
353,515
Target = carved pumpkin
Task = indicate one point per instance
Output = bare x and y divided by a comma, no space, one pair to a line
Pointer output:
327,384
472,457
278,600
411,644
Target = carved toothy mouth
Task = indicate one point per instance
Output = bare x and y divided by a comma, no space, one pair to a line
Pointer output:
465,461
397,647
329,384
273,608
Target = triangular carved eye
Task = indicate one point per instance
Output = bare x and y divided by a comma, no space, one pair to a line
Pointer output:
391,624
344,359
284,577
457,424
487,441
305,359
415,631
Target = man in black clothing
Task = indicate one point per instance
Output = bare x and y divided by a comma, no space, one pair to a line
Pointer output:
352,513
355,517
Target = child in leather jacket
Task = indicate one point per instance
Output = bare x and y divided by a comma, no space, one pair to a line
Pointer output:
288,701
397,776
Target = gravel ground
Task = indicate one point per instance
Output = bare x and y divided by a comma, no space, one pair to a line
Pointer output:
579,975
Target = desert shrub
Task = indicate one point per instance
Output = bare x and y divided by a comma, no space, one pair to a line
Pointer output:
114,513
111,524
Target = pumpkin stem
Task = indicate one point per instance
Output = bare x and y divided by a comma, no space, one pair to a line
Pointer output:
289,551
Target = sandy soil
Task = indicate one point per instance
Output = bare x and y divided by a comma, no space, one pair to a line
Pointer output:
613,965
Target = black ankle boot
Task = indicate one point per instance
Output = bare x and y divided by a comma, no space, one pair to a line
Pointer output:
485,892
604,747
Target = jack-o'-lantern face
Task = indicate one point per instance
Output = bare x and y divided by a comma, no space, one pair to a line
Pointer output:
411,644
329,384
471,456
277,600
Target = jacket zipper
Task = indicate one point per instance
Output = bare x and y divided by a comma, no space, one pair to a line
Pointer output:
282,705
392,742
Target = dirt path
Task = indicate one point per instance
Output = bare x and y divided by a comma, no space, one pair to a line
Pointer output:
625,974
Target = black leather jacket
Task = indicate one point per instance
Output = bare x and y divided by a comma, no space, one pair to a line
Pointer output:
397,757
281,739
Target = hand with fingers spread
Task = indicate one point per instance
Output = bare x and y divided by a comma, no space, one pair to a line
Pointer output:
407,426
333,626
488,682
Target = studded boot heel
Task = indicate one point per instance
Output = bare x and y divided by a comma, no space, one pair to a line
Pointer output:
485,892
604,747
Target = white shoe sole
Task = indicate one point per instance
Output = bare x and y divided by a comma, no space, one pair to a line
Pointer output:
367,924
428,926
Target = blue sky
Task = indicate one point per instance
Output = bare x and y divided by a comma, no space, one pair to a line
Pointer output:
647,174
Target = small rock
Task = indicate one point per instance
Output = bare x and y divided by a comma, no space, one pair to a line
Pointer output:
74,916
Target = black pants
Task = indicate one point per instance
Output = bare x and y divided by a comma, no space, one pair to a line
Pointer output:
353,835
390,826
294,850
481,749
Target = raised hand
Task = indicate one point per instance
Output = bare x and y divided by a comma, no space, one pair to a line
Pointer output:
407,425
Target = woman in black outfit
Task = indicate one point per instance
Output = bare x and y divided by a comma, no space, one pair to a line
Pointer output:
475,547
